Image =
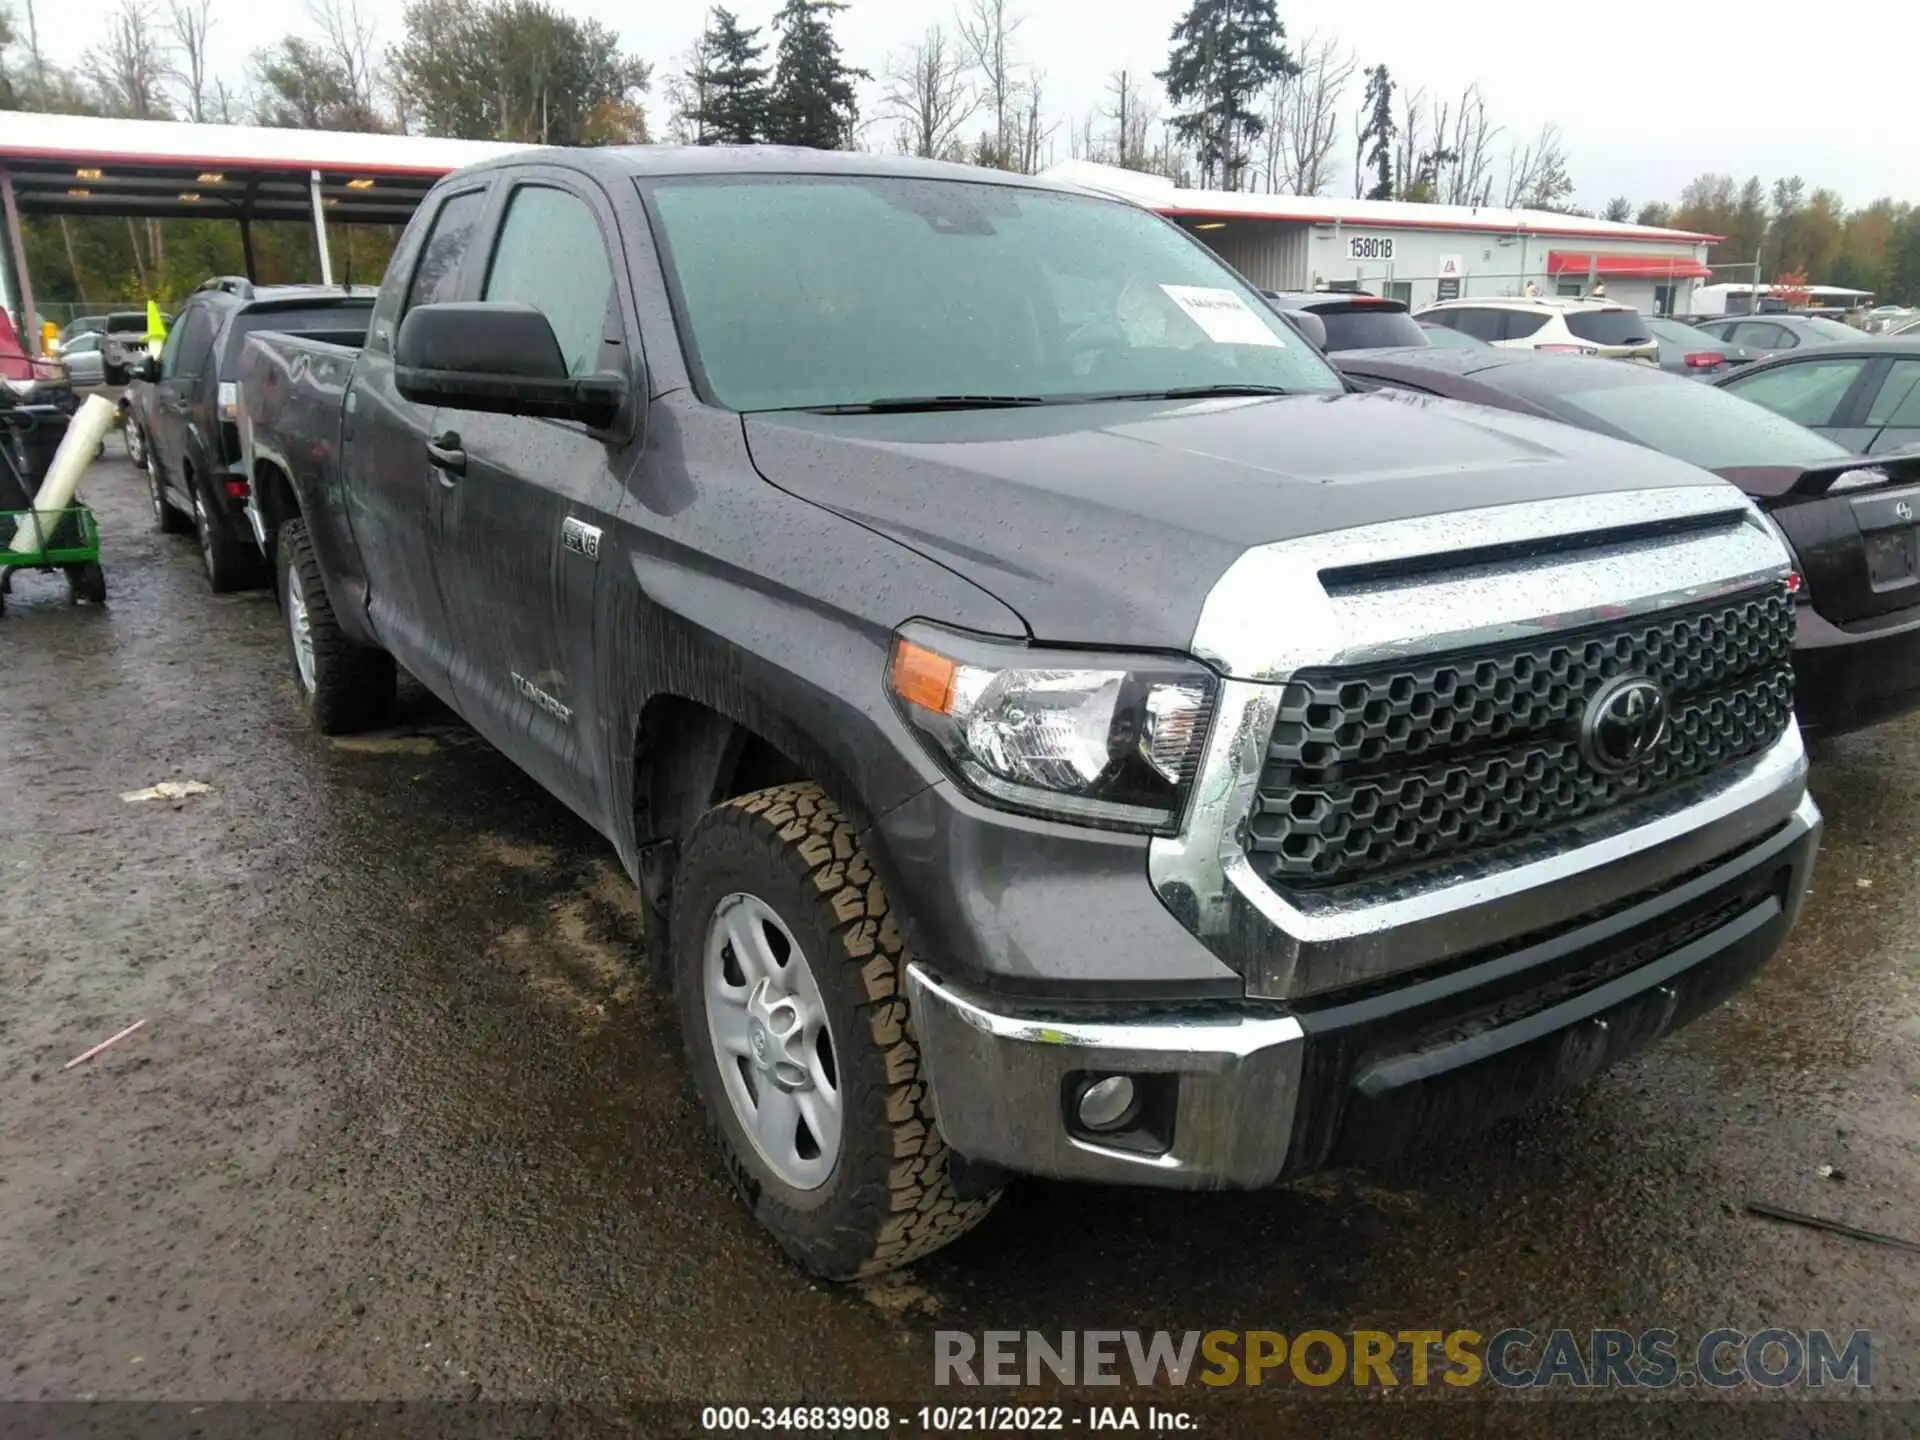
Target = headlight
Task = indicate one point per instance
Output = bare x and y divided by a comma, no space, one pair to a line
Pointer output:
1099,739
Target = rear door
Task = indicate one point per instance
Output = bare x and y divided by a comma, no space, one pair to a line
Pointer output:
521,558
183,358
396,500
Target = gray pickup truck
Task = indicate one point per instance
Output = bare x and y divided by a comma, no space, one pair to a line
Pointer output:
1056,728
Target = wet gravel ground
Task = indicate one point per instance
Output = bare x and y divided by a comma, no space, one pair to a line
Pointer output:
406,1120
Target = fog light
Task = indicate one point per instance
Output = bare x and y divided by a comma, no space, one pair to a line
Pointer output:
1106,1104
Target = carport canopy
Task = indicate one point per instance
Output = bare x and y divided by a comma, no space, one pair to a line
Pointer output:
161,169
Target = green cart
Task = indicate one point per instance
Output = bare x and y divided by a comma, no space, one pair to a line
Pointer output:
67,540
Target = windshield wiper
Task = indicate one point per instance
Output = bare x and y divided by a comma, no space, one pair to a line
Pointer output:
906,404
1200,392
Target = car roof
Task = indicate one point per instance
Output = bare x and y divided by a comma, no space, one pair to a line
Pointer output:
1528,302
1483,365
1867,347
645,161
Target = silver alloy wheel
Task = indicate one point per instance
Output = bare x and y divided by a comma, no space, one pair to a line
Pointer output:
136,448
772,1041
300,630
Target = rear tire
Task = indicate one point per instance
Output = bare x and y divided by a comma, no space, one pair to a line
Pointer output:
230,564
345,686
781,874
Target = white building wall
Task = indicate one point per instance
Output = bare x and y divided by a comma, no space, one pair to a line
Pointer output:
1408,263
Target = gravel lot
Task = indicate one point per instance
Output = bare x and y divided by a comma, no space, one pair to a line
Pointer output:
406,1120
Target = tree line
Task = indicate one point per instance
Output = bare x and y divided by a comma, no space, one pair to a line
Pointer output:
1238,105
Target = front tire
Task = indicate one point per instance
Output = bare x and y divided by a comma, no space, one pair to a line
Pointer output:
345,686
790,978
135,441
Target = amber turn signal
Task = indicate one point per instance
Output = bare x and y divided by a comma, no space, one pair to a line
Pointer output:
923,677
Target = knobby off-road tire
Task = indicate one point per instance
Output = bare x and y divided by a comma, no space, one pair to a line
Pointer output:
888,1199
344,686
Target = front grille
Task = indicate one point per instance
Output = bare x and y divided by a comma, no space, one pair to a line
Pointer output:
1395,767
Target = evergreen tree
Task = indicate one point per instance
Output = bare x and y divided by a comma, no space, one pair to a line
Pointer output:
1224,53
732,84
1377,135
813,101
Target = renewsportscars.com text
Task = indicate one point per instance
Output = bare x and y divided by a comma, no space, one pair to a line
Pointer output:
1513,1358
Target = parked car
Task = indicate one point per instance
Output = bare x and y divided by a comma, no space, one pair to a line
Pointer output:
1857,652
80,325
1354,322
1770,335
189,436
1902,329
1044,743
1694,353
81,356
125,341
1865,395
1552,323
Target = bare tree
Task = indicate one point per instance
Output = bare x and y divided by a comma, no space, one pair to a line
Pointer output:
224,106
928,94
1410,144
986,35
1467,178
1032,135
1133,114
190,21
129,65
349,39
1307,115
1537,177
687,96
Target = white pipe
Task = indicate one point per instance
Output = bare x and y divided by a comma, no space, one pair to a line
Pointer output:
320,228
85,431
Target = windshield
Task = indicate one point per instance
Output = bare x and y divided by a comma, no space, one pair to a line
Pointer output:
1831,329
1372,326
804,291
1609,327
1693,422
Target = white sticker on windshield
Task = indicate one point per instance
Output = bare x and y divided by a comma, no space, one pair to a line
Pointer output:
1225,317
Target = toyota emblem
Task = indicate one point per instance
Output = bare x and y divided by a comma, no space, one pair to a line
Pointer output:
1623,724
1903,509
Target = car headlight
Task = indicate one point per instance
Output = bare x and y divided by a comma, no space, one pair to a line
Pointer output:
1099,739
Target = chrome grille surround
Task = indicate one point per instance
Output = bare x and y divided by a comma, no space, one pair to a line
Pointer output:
1468,581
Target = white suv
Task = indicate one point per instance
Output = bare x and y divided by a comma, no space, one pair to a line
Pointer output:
1557,323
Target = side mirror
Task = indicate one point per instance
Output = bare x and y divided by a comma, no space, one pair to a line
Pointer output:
1311,327
501,357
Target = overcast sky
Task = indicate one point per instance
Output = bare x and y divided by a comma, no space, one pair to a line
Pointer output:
1634,88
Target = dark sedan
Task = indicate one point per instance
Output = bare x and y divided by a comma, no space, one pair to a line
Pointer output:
1686,350
1850,522
1865,396
1355,321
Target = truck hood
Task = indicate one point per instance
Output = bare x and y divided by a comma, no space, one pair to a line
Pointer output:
1108,524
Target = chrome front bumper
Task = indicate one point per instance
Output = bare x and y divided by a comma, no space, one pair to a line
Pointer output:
1002,1077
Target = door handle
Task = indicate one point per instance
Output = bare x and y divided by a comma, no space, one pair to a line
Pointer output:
447,456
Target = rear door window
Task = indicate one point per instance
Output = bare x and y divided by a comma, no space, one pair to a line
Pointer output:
1480,323
1519,324
1809,393
1898,402
437,277
1609,327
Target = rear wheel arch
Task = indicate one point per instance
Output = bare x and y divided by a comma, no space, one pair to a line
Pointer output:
276,499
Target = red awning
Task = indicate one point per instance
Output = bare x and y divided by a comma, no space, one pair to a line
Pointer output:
1646,267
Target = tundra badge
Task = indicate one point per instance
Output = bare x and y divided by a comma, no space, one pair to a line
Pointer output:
580,537
530,691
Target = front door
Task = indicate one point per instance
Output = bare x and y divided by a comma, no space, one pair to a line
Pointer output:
526,515
397,504
189,341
